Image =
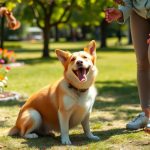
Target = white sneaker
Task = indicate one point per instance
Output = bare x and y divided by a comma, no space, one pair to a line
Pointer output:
138,122
147,128
148,124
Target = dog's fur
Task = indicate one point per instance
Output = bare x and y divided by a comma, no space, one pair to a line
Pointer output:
65,104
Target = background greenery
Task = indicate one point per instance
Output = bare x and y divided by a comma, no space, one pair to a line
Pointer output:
66,20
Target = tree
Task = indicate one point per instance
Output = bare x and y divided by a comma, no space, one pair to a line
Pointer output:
48,14
91,13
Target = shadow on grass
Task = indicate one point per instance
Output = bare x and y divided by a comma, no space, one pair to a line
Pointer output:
112,95
108,49
115,49
76,139
123,92
51,59
33,61
13,46
11,103
106,134
49,142
20,50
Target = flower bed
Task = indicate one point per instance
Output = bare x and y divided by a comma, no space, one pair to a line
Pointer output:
6,59
6,96
3,77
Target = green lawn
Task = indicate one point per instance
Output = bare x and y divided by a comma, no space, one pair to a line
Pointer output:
117,101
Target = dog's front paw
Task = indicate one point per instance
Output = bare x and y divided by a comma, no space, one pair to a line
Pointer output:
65,141
93,137
31,136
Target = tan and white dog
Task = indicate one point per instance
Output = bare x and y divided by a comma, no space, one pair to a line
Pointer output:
65,104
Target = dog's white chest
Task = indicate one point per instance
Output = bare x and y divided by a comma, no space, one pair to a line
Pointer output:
85,99
79,106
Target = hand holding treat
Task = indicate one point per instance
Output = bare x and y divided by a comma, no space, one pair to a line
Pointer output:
11,20
112,14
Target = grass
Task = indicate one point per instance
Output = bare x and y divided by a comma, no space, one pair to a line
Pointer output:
117,101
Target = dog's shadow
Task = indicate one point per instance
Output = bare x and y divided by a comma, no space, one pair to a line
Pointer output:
76,139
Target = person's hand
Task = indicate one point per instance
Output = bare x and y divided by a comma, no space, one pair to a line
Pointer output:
112,14
120,2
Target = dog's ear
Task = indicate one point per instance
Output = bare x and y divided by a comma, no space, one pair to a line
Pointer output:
91,48
62,55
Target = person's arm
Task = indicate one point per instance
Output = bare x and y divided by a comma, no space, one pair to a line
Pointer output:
126,10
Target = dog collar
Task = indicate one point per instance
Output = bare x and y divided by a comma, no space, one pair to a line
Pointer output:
79,90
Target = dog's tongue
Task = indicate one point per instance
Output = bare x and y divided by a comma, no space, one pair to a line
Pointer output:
81,73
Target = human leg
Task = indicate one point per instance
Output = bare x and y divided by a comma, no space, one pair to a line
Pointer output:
147,129
140,28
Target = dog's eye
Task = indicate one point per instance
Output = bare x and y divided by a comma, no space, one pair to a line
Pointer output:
73,59
84,57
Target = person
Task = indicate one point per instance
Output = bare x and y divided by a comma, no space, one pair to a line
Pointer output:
139,13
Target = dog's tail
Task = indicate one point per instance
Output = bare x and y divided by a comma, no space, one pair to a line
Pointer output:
13,131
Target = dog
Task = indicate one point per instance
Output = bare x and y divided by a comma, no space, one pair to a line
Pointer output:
66,103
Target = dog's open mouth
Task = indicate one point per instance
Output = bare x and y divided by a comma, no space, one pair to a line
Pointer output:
81,73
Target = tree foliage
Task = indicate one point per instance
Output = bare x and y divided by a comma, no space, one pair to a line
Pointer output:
51,13
90,12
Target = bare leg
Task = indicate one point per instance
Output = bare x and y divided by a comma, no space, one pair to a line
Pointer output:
140,29
147,110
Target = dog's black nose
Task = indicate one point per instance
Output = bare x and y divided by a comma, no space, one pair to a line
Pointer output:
79,62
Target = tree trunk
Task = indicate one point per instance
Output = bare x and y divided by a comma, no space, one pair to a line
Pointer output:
129,34
56,34
45,42
2,32
103,30
73,35
84,31
119,35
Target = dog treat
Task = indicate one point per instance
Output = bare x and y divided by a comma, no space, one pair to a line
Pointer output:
12,23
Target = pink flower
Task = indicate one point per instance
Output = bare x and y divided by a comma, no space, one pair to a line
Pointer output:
2,61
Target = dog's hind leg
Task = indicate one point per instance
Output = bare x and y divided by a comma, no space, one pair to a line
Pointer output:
30,121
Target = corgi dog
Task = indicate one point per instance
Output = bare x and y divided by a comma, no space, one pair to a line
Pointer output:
66,103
